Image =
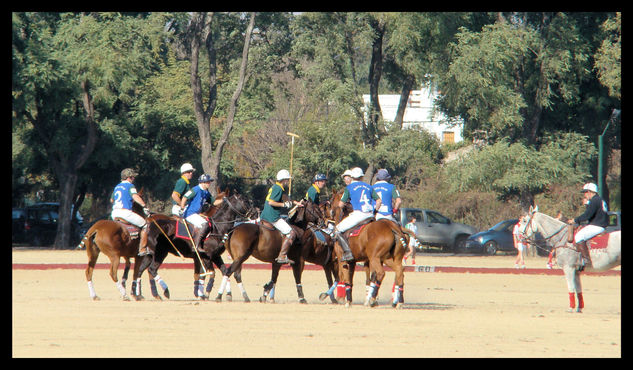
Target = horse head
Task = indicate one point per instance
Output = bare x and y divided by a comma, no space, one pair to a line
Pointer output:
309,213
335,212
239,205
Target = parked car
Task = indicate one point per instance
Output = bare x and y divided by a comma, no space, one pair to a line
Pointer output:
497,238
435,229
614,221
37,224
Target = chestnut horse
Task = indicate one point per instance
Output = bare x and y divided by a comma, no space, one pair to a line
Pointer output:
378,242
264,243
113,239
162,240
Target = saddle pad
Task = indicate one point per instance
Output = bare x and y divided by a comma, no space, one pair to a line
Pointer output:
320,237
132,229
181,230
599,241
356,231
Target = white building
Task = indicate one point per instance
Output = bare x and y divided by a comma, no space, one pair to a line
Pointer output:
419,112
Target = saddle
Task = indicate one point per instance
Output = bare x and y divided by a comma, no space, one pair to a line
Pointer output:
355,231
133,230
599,241
181,230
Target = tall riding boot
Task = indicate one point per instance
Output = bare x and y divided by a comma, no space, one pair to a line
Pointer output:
143,251
584,252
283,253
201,235
347,253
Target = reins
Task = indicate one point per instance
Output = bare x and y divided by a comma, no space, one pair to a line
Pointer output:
534,242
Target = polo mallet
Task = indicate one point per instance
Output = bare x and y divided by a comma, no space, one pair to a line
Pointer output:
195,249
292,148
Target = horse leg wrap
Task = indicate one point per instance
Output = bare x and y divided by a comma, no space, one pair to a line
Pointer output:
225,279
572,300
138,287
198,286
581,301
348,293
210,285
299,290
91,289
121,288
373,288
397,294
160,282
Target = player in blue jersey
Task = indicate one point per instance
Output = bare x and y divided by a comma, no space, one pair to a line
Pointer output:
389,195
192,203
360,194
123,197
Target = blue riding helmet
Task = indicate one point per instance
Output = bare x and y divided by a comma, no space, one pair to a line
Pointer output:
205,178
382,175
319,177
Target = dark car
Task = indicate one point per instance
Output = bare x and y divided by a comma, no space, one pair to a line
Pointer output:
497,238
37,224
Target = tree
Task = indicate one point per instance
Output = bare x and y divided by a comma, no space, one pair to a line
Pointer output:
72,72
608,58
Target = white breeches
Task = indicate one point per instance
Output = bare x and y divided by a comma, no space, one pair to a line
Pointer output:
128,216
587,233
282,226
352,220
388,217
197,220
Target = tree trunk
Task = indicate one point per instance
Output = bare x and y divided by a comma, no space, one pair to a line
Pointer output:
214,169
375,72
407,85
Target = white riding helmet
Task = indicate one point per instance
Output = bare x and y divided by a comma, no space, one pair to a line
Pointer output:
357,173
347,173
186,168
589,187
282,175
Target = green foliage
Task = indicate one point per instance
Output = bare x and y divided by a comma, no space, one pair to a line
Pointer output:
608,58
508,168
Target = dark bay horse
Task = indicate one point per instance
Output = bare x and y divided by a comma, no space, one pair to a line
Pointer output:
114,240
378,242
162,240
264,243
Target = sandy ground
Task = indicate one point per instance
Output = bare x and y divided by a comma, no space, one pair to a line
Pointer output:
445,315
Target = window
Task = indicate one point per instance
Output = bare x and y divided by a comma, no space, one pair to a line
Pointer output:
437,218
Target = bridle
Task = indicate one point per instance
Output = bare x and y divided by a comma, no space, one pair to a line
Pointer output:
537,243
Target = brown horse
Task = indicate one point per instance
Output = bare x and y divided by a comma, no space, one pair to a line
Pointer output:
114,240
264,243
378,242
162,240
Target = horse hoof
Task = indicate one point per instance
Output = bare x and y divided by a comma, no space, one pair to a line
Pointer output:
166,293
303,301
348,304
139,298
262,299
125,298
95,298
157,297
373,302
229,297
322,296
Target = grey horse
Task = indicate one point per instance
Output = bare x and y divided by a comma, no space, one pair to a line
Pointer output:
539,228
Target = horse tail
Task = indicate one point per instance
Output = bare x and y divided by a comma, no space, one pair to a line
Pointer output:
399,237
87,240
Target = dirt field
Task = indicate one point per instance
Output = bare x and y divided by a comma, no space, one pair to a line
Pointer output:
445,315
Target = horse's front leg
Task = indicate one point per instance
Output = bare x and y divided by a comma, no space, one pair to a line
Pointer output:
156,261
574,288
